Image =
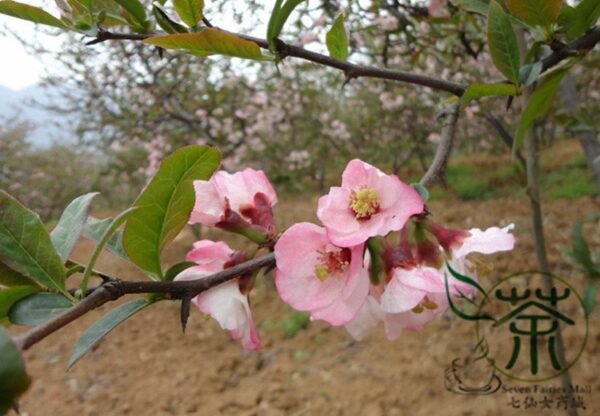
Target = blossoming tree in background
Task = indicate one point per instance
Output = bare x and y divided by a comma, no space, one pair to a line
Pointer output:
377,256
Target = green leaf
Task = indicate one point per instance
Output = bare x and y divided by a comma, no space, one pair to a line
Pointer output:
503,43
529,73
271,26
8,297
581,251
475,91
177,268
165,22
209,42
278,18
539,103
337,39
190,11
13,378
577,20
94,230
71,223
103,326
25,245
165,205
135,9
37,309
589,296
535,12
476,6
9,277
108,233
30,13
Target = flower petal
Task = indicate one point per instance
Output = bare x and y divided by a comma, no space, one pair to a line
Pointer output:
492,240
229,307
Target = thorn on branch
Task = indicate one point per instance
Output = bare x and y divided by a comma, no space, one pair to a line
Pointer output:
185,311
283,49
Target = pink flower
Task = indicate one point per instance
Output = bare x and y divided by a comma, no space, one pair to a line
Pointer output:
416,294
437,8
224,303
317,276
247,193
368,203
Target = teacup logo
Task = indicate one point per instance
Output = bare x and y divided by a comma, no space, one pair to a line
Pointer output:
518,321
472,375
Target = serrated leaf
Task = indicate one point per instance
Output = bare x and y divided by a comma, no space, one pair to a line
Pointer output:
165,22
529,73
104,326
94,230
475,91
37,309
71,223
539,103
337,39
13,377
535,12
9,277
190,11
25,245
165,205
136,10
503,43
30,13
209,42
9,296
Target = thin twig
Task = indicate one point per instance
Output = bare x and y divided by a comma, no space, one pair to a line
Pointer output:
449,118
583,44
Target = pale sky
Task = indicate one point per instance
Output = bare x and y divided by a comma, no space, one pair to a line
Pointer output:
18,69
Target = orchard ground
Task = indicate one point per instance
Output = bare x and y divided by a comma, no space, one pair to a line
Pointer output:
148,367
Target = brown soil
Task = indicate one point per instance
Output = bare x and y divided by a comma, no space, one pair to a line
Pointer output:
148,367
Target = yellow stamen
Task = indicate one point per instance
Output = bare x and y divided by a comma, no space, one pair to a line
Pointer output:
418,309
321,272
429,304
364,202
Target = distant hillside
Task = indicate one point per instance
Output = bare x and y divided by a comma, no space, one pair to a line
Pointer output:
22,105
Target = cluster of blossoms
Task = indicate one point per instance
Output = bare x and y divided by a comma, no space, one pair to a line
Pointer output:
377,258
240,203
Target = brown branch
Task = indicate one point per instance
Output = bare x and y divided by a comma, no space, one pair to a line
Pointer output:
351,70
449,118
115,288
583,44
